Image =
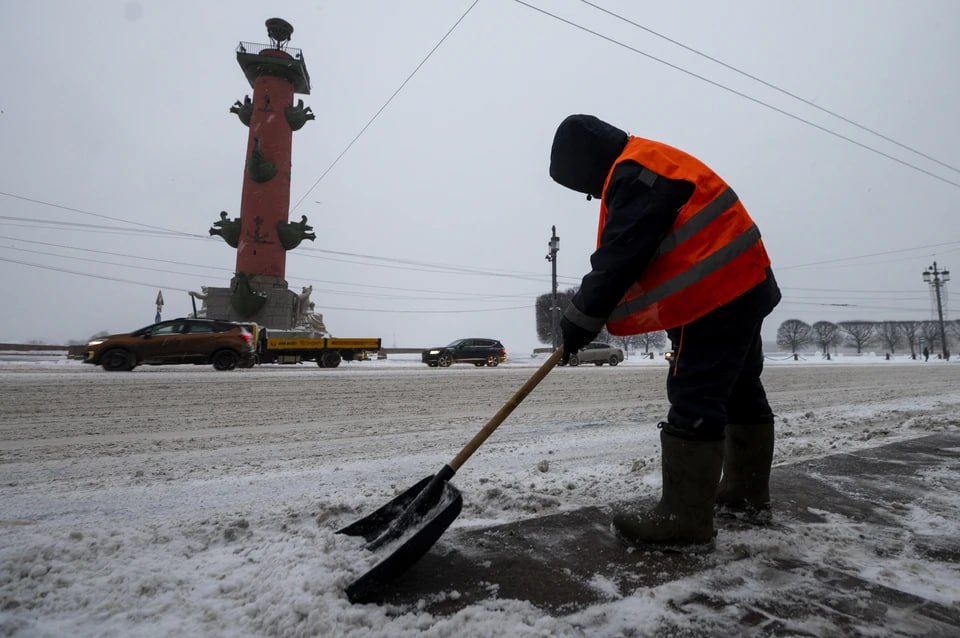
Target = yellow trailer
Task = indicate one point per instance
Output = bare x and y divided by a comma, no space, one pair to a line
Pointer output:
328,352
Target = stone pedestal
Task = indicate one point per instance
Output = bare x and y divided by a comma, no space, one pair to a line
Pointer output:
279,312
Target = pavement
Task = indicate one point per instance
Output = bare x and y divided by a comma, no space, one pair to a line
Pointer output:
569,561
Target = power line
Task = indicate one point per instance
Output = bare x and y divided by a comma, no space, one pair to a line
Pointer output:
463,295
116,230
786,301
423,267
405,264
827,298
109,263
165,287
92,276
45,223
888,294
886,252
112,254
385,104
771,85
86,212
472,297
853,291
432,312
165,232
741,94
451,267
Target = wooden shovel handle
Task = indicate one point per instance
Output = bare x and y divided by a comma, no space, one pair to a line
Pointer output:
505,411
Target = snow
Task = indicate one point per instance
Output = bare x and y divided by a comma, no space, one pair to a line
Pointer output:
182,501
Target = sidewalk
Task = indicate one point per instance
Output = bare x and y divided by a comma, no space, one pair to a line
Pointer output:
883,498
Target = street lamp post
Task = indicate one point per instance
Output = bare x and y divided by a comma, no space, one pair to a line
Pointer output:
938,278
554,246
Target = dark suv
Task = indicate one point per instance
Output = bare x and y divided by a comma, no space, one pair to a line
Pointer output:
479,352
224,344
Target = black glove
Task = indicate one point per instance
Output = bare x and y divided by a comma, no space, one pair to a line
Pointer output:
574,338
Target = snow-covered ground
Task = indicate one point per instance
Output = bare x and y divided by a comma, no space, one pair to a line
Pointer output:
183,501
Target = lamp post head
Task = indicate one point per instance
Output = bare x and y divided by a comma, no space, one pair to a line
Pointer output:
945,276
926,276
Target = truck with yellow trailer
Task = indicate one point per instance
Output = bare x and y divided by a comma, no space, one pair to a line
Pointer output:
289,346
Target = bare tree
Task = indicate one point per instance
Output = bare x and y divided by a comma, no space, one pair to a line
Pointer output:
953,331
858,333
826,334
888,332
543,316
649,340
794,334
930,334
645,341
910,330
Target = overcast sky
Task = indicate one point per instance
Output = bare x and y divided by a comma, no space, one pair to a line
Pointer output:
115,125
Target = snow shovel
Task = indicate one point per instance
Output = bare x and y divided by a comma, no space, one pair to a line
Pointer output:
409,525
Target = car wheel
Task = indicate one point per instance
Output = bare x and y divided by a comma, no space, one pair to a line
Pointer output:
444,360
574,360
117,360
614,360
225,360
330,359
493,361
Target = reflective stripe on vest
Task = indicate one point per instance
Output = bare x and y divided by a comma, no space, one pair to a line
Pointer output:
698,222
689,277
711,255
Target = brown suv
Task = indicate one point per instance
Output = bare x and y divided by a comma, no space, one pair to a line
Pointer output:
224,344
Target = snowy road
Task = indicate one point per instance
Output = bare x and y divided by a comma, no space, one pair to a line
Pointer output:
127,497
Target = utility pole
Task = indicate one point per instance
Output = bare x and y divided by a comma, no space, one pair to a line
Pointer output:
554,308
938,278
159,305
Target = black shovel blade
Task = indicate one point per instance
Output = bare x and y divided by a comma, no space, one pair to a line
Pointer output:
405,528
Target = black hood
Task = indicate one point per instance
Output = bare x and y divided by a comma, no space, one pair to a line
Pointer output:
583,152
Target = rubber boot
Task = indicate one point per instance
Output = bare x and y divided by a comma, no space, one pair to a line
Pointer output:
684,515
745,486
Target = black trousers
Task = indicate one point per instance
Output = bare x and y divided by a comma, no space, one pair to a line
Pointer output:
714,377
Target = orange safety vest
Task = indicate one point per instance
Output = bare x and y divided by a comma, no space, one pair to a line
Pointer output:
711,255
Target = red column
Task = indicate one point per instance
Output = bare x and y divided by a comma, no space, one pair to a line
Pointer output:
264,204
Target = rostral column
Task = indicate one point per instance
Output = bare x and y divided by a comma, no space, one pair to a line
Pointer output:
263,234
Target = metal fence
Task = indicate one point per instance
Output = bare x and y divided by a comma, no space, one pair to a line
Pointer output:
252,48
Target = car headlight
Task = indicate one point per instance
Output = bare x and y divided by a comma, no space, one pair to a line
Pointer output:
95,342
434,352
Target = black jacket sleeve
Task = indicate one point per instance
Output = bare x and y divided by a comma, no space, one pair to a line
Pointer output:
638,217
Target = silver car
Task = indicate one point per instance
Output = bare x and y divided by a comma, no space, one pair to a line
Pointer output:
597,353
